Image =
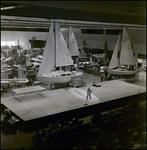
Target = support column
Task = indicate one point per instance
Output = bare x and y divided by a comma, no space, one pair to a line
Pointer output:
32,42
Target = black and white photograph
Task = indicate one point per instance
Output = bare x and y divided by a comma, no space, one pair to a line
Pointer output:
73,75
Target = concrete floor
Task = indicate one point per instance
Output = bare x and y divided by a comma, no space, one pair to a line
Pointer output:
23,140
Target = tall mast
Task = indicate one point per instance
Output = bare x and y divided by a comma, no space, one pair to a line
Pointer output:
55,36
121,33
6,43
68,37
18,46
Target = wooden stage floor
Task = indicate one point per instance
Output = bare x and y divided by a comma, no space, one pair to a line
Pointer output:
34,106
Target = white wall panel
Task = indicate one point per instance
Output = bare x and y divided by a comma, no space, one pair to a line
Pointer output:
95,44
137,32
137,36
110,45
139,49
23,37
7,35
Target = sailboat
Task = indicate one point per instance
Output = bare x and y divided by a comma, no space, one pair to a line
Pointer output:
126,57
5,71
9,59
74,52
72,43
6,80
56,55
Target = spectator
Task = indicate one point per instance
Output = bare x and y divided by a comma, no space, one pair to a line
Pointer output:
102,77
106,74
7,114
36,138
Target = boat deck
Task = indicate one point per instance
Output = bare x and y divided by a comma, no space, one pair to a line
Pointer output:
62,100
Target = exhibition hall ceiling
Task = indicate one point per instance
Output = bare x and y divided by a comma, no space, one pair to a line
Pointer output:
78,14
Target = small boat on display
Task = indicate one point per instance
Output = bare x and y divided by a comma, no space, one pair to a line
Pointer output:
74,52
5,67
35,63
120,67
4,83
9,59
72,43
56,55
37,59
20,72
5,71
20,81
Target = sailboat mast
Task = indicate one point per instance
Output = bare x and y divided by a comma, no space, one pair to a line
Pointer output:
6,43
68,37
126,55
55,32
121,34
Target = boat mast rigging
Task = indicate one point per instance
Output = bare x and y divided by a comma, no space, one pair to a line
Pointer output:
120,45
55,30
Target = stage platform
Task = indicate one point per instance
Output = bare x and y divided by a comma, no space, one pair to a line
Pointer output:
63,100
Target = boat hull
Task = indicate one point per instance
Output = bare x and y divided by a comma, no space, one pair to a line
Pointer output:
49,79
122,72
59,77
77,74
22,82
19,81
4,84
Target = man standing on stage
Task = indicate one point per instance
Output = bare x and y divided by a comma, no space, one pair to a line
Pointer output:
89,91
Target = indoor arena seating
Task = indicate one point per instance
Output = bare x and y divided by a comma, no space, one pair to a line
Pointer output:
122,128
10,125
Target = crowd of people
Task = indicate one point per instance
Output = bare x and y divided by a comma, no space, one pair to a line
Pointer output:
9,123
124,128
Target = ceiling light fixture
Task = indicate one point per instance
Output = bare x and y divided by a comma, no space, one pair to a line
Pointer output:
10,7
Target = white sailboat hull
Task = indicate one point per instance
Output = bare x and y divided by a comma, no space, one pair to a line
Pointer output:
19,81
121,71
22,82
4,83
58,78
49,79
77,74
55,77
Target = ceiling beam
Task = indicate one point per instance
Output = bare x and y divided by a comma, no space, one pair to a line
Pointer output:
136,8
18,22
58,13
